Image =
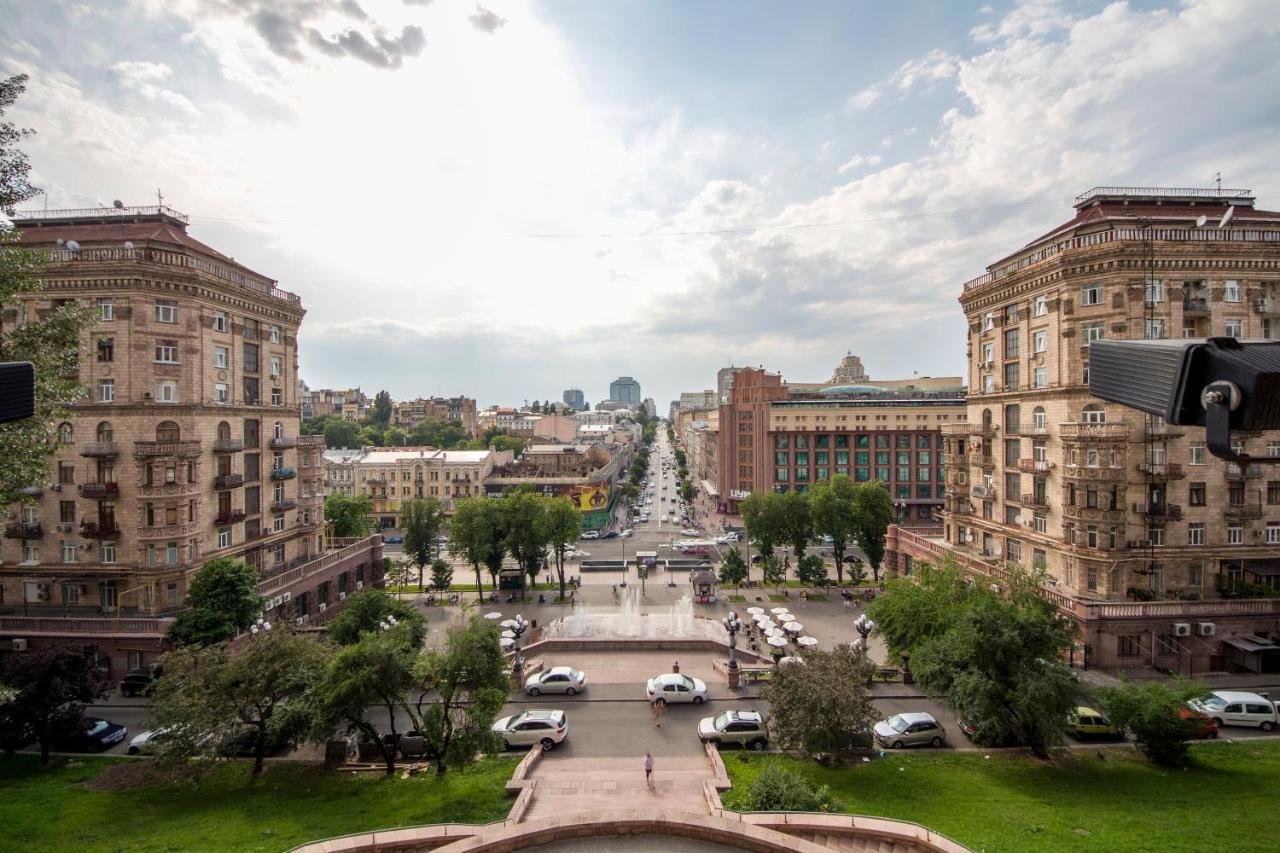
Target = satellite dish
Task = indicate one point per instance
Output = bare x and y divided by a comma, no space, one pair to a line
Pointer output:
73,245
1226,217
60,241
1200,221
118,204
128,244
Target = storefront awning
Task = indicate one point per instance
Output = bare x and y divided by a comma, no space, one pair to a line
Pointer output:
1266,568
710,489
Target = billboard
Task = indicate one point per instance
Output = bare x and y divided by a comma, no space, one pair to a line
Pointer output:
587,497
591,497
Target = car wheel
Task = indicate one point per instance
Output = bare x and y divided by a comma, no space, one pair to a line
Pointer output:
758,745
133,750
1267,726
569,691
1213,734
1218,722
506,744
533,691
548,744
936,742
698,700
897,744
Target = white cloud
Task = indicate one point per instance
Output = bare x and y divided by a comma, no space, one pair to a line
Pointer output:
926,70
857,161
142,77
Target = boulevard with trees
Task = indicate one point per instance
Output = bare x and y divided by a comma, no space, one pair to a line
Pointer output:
375,430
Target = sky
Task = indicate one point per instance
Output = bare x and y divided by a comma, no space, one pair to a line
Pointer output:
510,199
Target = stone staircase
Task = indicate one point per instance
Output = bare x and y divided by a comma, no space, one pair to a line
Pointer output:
568,785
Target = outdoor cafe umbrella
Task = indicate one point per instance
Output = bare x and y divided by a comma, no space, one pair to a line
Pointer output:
808,642
777,641
775,631
508,623
508,635
494,616
506,642
755,611
778,610
793,627
785,617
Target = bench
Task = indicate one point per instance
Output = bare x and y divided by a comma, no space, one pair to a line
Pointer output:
755,674
891,673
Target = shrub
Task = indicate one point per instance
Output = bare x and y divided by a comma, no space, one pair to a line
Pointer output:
778,789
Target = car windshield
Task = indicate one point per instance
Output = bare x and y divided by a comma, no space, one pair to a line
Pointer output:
575,674
1213,703
722,720
688,682
897,723
98,728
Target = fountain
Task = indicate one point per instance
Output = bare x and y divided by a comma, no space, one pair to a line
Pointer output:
631,621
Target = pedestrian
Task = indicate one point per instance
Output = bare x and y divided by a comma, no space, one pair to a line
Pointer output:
648,769
659,711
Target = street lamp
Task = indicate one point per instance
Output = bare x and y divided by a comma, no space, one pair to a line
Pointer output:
260,626
864,627
733,625
517,627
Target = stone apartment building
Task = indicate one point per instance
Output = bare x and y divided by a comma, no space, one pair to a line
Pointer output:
392,476
772,437
409,413
1137,527
348,403
186,447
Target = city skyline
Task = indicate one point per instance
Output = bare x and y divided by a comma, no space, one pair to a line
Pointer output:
591,155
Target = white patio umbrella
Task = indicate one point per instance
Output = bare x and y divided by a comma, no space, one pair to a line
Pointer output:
808,642
508,623
755,611
494,616
507,635
778,610
775,631
777,641
793,627
506,642
786,617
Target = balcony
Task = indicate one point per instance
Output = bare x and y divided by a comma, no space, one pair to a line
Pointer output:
177,530
1093,472
228,481
313,442
103,528
23,530
1034,466
283,504
154,449
985,492
283,443
1138,544
1034,501
1093,432
64,626
99,491
230,516
986,460
283,474
1161,431
100,449
1245,510
228,445
1267,307
31,491
1162,470
1172,512
1091,513
1248,472
1035,429
1193,306
986,430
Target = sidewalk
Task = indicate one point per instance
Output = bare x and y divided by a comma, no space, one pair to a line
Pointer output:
605,785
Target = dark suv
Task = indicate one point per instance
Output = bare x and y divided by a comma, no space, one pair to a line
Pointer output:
139,682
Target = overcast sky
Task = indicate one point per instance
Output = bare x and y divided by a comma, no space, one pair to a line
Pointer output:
505,200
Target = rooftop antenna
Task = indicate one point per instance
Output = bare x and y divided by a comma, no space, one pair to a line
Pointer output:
118,204
159,198
1217,177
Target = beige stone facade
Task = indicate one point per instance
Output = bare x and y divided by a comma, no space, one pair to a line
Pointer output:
392,476
409,413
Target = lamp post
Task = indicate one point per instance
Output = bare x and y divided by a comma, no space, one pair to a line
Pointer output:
733,625
260,626
864,627
517,627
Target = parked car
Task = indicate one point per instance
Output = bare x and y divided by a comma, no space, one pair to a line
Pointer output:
591,534
139,682
676,687
558,679
912,729
612,534
1204,726
92,734
1085,722
744,728
145,743
1237,708
626,534
393,540
540,726
689,531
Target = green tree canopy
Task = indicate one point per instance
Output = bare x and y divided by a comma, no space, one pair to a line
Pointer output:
381,412
223,601
50,685
524,528
821,707
733,569
366,609
873,513
561,526
423,520
764,515
340,433
832,507
922,606
349,514
1155,712
437,432
441,574
476,535
797,521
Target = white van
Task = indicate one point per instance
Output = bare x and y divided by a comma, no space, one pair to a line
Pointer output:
1236,708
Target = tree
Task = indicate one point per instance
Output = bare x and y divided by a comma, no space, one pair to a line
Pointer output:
562,525
681,458
51,686
763,514
1154,712
774,570
423,520
832,507
375,671
686,491
50,341
873,511
522,513
223,601
476,535
811,570
395,437
367,609
437,432
797,521
917,608
210,696
350,514
441,574
821,707
468,682
340,433
381,413
733,569
397,573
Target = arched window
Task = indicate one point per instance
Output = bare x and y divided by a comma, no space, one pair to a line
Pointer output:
1093,414
66,432
986,417
278,430
1039,419
224,431
105,433
168,431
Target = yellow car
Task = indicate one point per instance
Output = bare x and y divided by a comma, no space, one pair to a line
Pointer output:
1087,723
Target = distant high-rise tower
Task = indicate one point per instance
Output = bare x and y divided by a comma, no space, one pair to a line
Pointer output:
849,371
624,389
724,381
575,399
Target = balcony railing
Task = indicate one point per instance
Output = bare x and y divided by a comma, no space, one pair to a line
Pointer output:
969,429
228,445
1097,432
283,473
230,516
152,449
1034,466
1245,510
23,530
1162,431
60,626
987,492
283,504
98,491
315,442
103,528
283,443
228,481
1195,305
1169,511
1031,499
1088,472
1268,307
1248,472
1162,470
100,449
31,491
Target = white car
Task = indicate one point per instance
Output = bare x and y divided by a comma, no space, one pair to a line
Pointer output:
591,534
145,743
1238,708
540,726
676,687
627,533
744,728
689,531
558,679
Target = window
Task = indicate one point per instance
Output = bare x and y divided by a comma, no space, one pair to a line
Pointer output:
166,311
220,393
1091,295
1235,534
1040,522
250,391
277,365
224,537
167,352
988,384
1011,376
106,310
1235,328
1041,377
1231,293
1010,314
106,390
1093,414
1195,534
166,391
221,322
988,353
277,397
251,358
1039,419
250,329
1011,343
1040,341
106,349
1155,292
1155,329
221,358
1196,494
1195,454
1273,533
274,334
988,321
277,523
1039,306
1092,332
1157,536
107,552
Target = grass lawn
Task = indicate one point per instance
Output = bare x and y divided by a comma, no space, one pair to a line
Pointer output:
50,808
1084,803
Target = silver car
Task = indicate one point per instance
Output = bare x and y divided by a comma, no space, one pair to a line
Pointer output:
913,729
558,679
744,728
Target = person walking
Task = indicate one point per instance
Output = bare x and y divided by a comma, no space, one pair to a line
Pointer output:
659,711
648,769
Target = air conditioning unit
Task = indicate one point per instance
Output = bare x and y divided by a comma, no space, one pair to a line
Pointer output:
299,621
1182,629
19,644
63,528
286,597
342,596
1206,629
42,593
359,584
323,607
277,601
146,395
57,487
